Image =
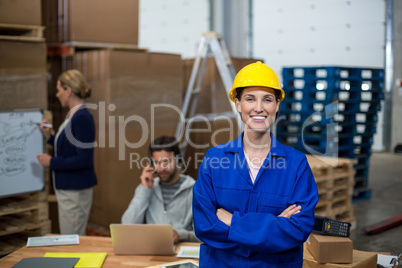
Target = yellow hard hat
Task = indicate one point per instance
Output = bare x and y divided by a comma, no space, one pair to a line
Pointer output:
256,74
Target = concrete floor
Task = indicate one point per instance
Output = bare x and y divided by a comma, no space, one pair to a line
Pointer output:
385,180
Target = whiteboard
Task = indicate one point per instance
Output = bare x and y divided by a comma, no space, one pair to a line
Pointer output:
20,141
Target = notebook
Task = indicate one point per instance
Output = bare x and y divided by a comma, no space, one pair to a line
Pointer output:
86,259
142,239
46,262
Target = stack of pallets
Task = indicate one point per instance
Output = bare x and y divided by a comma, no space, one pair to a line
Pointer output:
334,178
22,216
333,111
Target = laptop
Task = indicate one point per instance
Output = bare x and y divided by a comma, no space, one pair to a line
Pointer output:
142,239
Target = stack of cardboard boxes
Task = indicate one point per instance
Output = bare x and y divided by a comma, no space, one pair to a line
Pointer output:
23,59
335,252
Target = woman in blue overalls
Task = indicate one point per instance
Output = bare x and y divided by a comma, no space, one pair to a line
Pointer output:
254,200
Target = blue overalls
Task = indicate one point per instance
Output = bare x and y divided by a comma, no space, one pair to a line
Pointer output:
256,237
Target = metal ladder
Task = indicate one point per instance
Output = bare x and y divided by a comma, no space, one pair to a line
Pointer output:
211,43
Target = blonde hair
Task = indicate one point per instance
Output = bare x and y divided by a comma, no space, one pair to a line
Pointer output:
75,80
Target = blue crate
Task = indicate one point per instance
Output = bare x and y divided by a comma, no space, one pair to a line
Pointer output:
332,84
363,161
316,129
366,129
361,170
361,182
356,150
371,107
347,85
334,71
360,194
363,155
357,118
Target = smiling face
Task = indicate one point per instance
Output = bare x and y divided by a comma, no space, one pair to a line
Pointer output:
258,107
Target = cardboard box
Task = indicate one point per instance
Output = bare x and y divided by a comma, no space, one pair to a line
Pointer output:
361,259
27,12
100,21
330,248
23,75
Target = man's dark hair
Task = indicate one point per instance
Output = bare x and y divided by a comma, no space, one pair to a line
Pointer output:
165,143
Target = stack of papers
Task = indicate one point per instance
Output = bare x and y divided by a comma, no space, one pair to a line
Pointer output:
40,241
189,252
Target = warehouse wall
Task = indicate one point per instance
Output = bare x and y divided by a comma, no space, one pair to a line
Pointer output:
288,33
315,33
173,26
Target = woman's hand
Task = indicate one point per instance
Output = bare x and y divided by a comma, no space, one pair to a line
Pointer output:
44,159
290,211
224,216
47,132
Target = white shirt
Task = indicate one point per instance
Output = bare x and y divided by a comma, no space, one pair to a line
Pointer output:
252,169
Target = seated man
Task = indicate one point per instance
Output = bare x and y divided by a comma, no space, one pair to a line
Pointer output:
166,199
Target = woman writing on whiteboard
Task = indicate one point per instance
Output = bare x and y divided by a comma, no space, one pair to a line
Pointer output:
73,153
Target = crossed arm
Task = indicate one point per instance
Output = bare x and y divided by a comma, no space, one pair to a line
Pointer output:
226,217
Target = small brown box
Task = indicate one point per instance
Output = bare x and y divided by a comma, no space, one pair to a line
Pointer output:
23,75
25,12
93,21
330,248
361,259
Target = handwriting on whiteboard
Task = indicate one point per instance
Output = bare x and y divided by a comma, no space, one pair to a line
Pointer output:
13,138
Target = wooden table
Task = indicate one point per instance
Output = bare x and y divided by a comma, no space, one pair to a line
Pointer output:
93,244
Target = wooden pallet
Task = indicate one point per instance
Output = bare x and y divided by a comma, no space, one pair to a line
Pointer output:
14,241
335,164
22,216
32,33
335,180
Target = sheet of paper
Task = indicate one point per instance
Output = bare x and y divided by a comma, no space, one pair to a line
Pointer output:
57,240
189,252
385,260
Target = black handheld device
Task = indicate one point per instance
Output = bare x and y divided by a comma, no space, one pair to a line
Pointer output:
327,226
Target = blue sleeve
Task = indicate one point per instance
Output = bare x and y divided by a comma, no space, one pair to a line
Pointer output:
208,228
264,232
50,141
83,131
